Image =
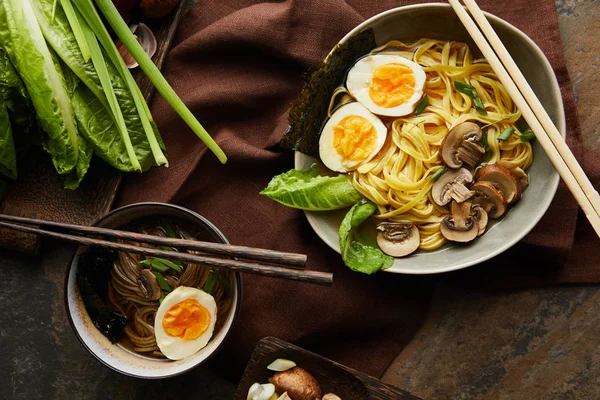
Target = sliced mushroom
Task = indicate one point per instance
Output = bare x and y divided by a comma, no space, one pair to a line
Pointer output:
462,146
298,383
331,396
398,239
284,396
490,198
517,172
149,285
452,185
461,226
502,179
481,217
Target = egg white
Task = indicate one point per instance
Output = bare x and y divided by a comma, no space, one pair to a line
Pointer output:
176,348
328,153
360,76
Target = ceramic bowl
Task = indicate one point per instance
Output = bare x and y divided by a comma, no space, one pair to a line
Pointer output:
117,357
438,21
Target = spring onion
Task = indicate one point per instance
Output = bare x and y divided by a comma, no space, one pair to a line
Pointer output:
226,286
470,91
162,281
89,13
113,17
527,136
506,134
422,105
103,75
484,139
75,24
439,173
210,283
167,228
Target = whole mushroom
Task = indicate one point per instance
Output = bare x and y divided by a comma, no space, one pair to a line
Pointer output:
398,239
462,146
298,383
452,185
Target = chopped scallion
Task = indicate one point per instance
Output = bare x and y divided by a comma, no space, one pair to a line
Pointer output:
470,91
527,136
226,286
162,281
210,283
168,263
484,139
506,134
439,173
422,105
162,297
166,226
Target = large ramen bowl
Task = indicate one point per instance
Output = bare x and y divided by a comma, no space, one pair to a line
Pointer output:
438,21
116,356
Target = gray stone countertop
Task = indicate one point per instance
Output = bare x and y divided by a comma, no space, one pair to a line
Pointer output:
526,344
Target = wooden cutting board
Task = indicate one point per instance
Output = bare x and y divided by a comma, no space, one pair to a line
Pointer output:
39,190
347,383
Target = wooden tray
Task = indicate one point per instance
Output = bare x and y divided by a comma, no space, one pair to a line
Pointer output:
347,383
39,190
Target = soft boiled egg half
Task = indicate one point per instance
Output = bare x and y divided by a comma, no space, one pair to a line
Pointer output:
386,84
185,322
351,137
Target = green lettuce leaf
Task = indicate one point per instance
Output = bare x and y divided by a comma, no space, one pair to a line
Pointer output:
8,156
75,177
44,82
101,130
357,255
307,190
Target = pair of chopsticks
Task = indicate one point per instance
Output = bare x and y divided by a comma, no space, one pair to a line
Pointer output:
532,110
235,258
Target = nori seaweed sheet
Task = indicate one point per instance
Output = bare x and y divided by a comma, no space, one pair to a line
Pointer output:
309,109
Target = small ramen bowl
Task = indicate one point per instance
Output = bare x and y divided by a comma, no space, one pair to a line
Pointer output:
117,357
439,21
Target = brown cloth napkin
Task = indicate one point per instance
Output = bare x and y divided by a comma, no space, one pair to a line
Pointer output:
238,65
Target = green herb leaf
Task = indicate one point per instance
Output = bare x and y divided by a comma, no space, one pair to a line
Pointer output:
422,105
307,190
359,256
470,91
161,281
210,283
166,226
226,286
439,173
507,133
527,136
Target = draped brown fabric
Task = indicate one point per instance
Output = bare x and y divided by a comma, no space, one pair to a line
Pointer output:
238,65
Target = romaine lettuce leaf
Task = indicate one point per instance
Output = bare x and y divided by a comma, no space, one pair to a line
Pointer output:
44,82
8,156
357,255
307,190
75,177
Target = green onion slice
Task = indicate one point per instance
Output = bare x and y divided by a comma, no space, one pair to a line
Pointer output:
527,136
470,91
210,283
162,281
422,105
439,173
506,134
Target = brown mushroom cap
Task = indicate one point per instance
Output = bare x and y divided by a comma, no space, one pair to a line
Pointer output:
461,226
149,285
517,172
284,396
298,383
502,179
489,198
452,185
398,239
461,146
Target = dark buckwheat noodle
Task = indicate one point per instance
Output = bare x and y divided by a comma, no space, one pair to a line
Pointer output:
126,296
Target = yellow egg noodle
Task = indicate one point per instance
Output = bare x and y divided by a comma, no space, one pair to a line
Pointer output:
399,178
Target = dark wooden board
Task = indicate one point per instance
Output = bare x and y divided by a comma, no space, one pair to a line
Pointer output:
347,383
39,190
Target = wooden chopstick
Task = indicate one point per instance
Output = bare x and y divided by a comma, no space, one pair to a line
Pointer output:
292,260
551,141
316,277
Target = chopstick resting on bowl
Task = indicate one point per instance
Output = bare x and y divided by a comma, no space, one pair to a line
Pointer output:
247,259
532,110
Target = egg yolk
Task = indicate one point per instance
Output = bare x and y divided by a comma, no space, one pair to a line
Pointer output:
354,138
187,319
392,85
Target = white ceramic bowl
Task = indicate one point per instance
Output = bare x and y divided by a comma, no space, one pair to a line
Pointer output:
438,21
113,355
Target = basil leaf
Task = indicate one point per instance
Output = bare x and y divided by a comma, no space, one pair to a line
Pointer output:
472,93
422,105
507,133
307,190
358,256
